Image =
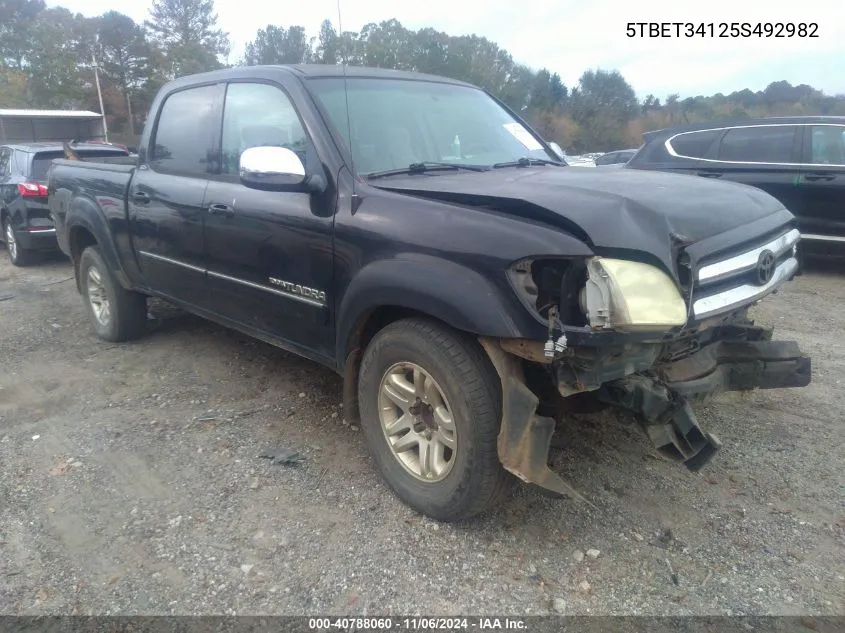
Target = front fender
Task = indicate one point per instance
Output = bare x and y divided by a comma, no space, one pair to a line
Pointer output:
450,292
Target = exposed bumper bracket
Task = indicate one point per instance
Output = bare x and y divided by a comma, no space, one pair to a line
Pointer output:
666,418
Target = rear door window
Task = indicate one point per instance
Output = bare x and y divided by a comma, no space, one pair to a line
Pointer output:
761,144
184,132
694,144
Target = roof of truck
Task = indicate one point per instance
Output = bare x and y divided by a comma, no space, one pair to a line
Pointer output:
307,71
334,70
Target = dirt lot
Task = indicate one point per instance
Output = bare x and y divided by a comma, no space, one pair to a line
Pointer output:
130,483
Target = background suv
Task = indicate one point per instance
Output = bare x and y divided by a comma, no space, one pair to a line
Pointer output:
27,227
799,160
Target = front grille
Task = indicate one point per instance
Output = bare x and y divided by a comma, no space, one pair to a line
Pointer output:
744,276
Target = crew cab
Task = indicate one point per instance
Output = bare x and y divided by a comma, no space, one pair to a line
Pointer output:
27,228
416,236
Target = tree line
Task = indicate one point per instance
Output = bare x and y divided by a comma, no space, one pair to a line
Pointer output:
47,58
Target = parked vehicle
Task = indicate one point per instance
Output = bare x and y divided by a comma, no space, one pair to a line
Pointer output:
619,157
27,228
798,160
416,236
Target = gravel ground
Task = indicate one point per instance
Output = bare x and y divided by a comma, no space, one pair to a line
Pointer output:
130,483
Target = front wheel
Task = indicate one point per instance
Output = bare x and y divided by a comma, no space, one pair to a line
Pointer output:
430,411
117,314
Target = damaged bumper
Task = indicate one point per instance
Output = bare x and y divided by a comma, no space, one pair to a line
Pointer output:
739,366
644,380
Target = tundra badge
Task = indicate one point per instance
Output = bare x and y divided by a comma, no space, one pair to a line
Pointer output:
296,290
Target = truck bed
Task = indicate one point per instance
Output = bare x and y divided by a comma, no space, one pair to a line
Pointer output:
117,164
101,185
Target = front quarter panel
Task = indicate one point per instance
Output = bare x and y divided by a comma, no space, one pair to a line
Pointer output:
439,259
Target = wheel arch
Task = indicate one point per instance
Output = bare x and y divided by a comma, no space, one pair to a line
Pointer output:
389,290
87,226
434,288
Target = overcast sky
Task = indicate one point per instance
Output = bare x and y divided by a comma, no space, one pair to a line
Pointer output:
570,36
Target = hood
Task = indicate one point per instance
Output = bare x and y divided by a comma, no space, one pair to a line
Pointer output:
611,210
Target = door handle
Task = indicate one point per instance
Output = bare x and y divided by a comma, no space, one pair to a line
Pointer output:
709,174
140,197
814,177
218,208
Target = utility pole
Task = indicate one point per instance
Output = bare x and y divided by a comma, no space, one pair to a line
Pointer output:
100,96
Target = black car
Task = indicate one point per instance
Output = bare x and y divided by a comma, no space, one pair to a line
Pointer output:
799,160
24,213
619,157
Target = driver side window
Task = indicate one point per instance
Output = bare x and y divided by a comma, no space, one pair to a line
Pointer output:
258,115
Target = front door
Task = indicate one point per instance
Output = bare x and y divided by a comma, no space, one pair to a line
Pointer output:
269,253
166,195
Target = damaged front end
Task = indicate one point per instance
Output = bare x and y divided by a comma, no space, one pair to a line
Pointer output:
624,333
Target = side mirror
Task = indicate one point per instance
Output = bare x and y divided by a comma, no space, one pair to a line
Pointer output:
558,150
271,167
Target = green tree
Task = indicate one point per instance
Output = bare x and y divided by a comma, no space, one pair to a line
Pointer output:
601,91
274,45
124,55
13,88
53,62
188,35
328,45
387,45
17,31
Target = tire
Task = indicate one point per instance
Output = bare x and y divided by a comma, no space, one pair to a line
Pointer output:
117,314
456,378
18,255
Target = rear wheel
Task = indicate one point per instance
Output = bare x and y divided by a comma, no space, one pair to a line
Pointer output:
430,411
18,255
117,314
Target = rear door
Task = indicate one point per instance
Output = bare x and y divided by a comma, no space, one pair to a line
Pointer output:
822,183
167,191
764,156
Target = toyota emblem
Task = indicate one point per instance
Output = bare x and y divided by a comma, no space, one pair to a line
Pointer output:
765,267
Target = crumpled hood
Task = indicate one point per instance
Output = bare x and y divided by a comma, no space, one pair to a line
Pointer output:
620,209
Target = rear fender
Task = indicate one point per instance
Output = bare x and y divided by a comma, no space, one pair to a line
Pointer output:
84,214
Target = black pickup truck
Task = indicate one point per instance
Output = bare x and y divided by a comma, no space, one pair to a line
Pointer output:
416,236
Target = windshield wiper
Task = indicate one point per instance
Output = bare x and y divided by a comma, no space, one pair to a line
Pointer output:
527,162
425,166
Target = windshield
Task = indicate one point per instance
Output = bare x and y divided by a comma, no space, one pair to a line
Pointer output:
395,123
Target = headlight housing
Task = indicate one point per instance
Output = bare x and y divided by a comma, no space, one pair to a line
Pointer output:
631,296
